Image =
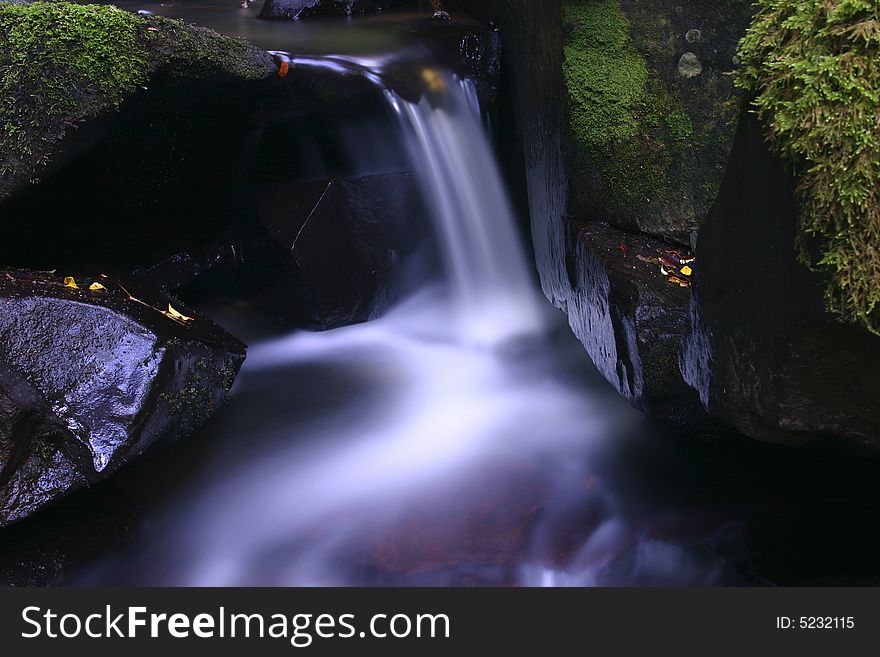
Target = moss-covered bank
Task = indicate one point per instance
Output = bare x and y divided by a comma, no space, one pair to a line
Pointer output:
652,111
62,63
814,69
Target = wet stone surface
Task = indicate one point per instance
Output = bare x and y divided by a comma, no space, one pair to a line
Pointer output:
92,375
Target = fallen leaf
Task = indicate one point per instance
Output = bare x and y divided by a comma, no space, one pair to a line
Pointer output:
650,261
668,262
433,80
176,316
686,271
283,69
676,256
623,248
95,287
70,282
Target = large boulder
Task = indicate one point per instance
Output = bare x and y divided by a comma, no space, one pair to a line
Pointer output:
59,71
763,352
93,375
339,245
652,109
631,319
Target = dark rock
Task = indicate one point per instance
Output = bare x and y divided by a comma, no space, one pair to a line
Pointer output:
471,52
45,548
531,43
297,9
286,9
756,343
89,379
131,189
481,53
763,354
630,319
341,242
49,100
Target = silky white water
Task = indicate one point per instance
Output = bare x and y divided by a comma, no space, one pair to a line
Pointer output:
454,440
490,282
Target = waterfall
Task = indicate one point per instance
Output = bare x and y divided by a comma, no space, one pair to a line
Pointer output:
395,452
491,288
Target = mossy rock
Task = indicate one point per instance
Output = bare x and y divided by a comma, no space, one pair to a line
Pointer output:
63,63
648,136
813,70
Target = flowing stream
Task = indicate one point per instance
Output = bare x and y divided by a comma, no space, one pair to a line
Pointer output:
459,439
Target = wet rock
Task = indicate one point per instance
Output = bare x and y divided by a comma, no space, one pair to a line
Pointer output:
49,100
339,243
45,548
90,378
763,353
630,319
297,9
286,9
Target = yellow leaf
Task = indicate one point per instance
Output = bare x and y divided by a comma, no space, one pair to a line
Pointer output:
433,80
69,281
176,316
687,271
95,287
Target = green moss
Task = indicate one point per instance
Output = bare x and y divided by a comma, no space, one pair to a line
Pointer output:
680,126
61,63
814,69
192,404
622,119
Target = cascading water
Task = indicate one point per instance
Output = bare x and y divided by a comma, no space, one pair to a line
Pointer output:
489,278
428,446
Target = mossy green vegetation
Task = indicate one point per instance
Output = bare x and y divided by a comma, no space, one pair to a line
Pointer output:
616,116
62,63
814,69
610,107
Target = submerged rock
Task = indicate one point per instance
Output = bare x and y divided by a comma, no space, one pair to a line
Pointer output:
92,375
339,243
